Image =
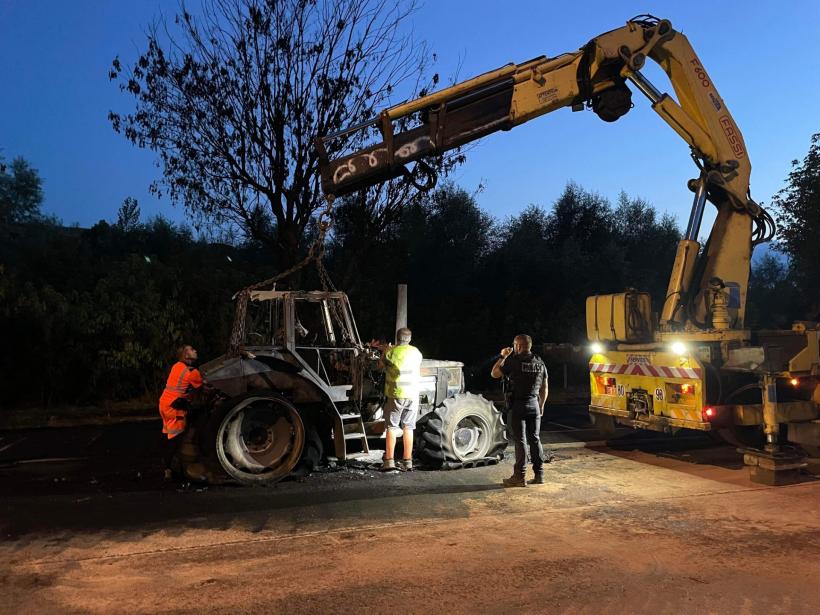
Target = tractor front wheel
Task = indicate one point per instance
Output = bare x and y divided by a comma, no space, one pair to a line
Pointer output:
463,429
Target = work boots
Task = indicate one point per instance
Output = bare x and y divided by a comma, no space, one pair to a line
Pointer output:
389,465
515,481
538,480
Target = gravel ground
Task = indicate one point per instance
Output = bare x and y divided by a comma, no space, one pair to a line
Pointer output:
645,525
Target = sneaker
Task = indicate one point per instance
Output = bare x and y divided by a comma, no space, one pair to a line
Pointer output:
406,465
538,480
514,481
388,464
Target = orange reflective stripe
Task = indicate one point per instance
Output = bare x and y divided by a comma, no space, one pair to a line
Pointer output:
181,382
173,419
180,386
177,379
173,425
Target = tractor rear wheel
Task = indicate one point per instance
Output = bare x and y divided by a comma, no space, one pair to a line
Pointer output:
464,428
260,439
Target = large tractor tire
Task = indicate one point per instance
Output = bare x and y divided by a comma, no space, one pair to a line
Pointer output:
465,428
260,439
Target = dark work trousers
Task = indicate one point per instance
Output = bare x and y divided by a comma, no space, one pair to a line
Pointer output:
525,425
169,449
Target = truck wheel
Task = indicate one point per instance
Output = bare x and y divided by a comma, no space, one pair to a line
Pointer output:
260,439
604,423
464,428
742,436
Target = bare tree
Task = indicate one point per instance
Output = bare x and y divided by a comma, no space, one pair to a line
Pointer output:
231,99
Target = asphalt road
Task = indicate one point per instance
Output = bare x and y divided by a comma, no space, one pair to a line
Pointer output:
646,524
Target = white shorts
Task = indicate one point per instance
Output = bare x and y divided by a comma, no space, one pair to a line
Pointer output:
401,413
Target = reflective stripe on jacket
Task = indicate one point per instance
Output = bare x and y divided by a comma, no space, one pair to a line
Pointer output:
181,381
403,372
174,421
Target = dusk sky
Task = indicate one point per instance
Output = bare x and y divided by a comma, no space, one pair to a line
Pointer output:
55,56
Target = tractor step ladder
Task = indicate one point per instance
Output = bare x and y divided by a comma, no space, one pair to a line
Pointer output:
353,429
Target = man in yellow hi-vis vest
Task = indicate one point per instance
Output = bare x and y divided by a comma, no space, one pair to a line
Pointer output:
402,364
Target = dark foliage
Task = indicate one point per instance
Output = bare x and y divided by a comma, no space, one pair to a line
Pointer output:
89,315
95,314
21,192
99,311
475,282
773,298
798,219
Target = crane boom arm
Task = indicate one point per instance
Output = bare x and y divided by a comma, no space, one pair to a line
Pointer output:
595,75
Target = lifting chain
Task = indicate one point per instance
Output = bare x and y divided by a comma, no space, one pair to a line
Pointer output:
315,254
324,276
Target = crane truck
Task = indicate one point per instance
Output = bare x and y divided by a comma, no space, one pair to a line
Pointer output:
696,364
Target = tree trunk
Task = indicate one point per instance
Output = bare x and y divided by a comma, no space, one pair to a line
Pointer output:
288,252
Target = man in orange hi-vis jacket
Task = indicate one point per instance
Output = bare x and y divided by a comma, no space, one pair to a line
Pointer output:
175,402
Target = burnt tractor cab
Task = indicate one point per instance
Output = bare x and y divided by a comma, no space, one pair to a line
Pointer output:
302,388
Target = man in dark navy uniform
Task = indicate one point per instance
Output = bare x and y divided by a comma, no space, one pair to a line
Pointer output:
528,377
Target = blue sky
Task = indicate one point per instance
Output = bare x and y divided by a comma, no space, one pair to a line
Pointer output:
55,55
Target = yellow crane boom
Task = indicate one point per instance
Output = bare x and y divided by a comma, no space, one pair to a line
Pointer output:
595,76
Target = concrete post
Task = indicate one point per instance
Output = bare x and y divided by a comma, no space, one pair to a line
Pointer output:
401,307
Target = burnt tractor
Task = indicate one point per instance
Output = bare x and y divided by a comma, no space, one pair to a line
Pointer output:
302,389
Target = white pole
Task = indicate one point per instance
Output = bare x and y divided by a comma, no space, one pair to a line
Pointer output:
401,307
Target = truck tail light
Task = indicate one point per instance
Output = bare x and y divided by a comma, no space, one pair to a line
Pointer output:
708,413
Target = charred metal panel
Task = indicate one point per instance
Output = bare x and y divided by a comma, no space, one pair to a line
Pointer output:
234,376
